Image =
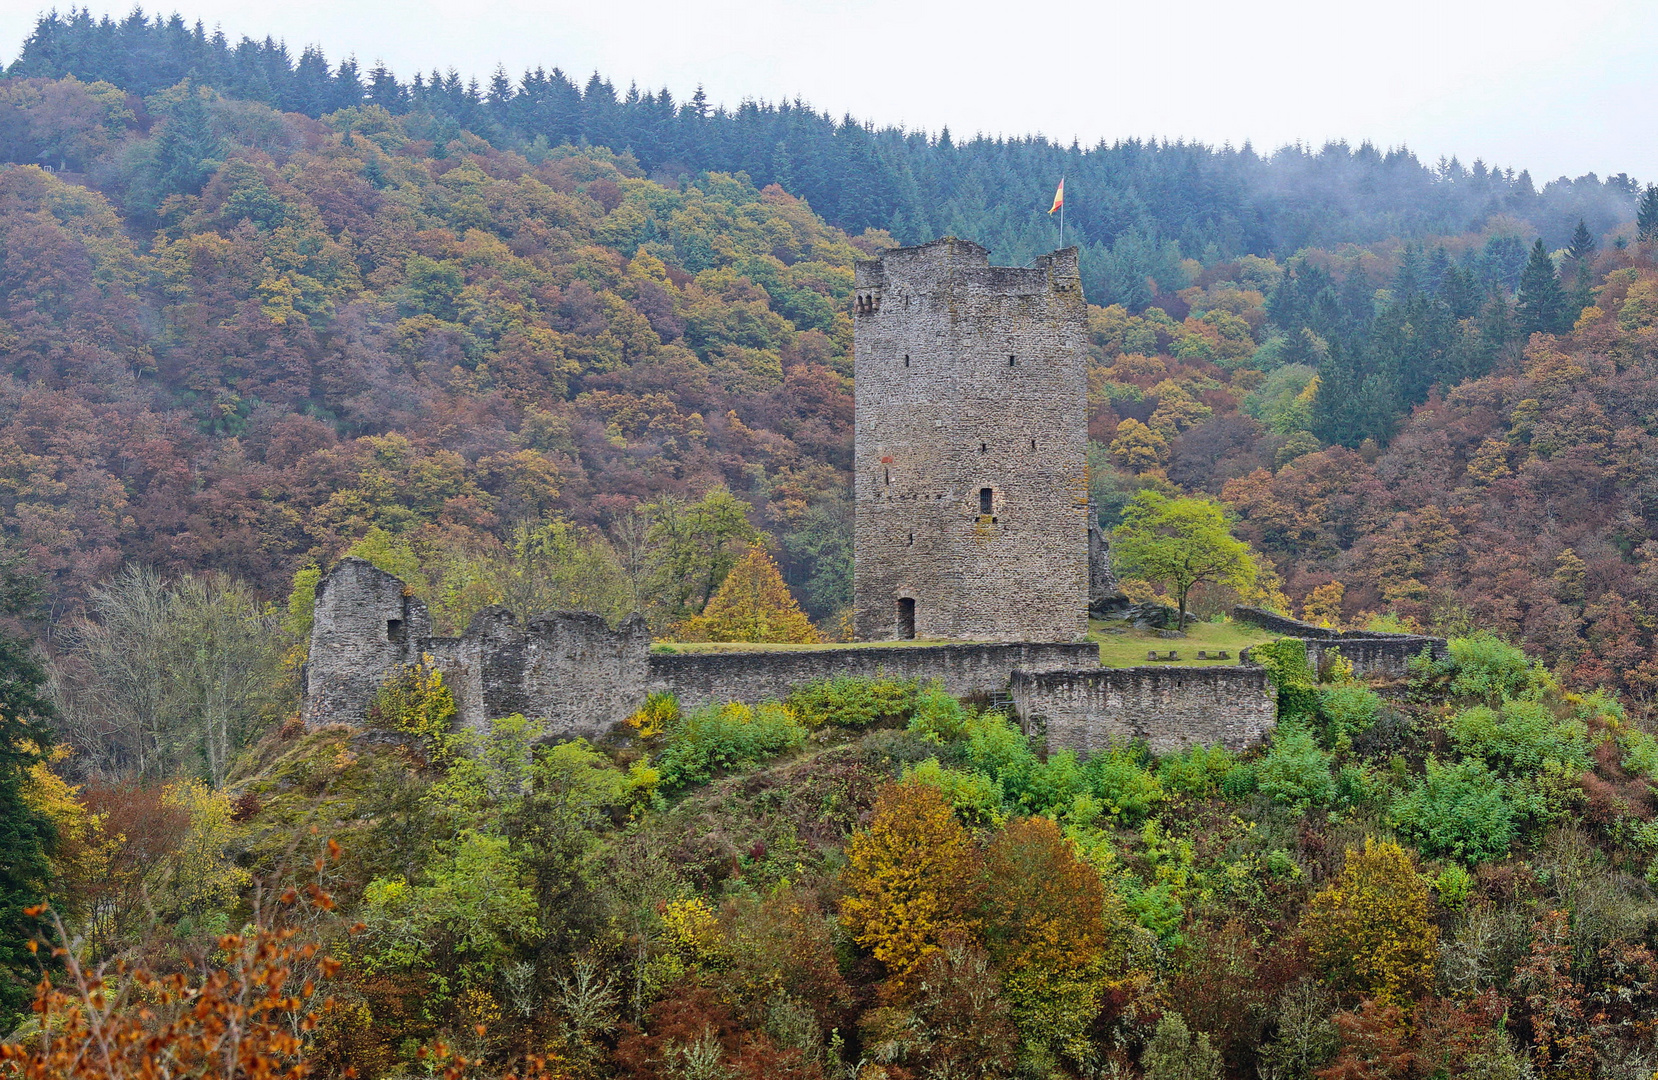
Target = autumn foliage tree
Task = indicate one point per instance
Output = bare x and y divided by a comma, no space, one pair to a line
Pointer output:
911,876
752,604
1051,931
1369,929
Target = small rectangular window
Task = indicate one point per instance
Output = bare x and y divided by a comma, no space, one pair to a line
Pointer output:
984,500
394,631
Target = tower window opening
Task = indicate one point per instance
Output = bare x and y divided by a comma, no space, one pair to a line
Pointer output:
906,619
1011,361
889,475
983,447
984,500
912,540
906,359
394,631
1033,444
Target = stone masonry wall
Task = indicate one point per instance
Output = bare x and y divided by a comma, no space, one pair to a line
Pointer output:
966,669
567,668
1371,652
1387,657
573,671
1170,708
970,484
363,624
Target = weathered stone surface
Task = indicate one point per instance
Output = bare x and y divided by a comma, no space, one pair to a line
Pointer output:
1104,595
1170,708
964,669
1371,652
364,623
567,668
970,482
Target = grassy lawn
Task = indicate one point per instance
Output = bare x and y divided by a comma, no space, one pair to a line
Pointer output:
1128,648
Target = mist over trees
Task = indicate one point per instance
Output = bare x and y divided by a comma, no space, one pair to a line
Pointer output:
1138,208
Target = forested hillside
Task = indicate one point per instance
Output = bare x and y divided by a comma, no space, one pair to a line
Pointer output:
1137,208
556,348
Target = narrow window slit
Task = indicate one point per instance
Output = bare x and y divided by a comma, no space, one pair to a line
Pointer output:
984,500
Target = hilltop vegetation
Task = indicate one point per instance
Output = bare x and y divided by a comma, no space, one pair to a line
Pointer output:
557,349
1138,209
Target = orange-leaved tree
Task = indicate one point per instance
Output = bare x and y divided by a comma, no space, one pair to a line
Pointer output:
1053,930
1369,929
753,604
912,877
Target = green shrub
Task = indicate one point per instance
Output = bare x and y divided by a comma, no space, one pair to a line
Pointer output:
1488,667
720,738
1640,752
976,798
938,717
1285,662
1126,790
852,701
1296,771
1197,772
1049,786
1454,884
1241,781
1347,710
1153,906
1520,738
996,747
1459,811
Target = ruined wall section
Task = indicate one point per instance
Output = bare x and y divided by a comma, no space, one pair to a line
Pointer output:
970,481
965,670
364,624
1371,652
1171,709
567,668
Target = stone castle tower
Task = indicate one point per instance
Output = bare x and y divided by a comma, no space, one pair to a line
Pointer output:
970,486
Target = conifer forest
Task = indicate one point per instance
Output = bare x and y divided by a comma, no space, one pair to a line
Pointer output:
537,341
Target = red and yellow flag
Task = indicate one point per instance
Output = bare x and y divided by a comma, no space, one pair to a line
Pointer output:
1059,198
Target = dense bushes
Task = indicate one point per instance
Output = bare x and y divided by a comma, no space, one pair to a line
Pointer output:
699,745
852,702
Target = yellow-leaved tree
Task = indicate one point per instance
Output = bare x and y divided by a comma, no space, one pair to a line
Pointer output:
911,875
1369,929
753,604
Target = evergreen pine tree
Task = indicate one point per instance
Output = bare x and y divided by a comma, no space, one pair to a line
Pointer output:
1582,245
1646,215
25,835
1542,302
187,147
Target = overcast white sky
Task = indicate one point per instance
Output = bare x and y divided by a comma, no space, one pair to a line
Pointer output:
1559,88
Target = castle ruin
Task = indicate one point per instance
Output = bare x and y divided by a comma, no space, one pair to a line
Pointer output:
972,528
970,476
